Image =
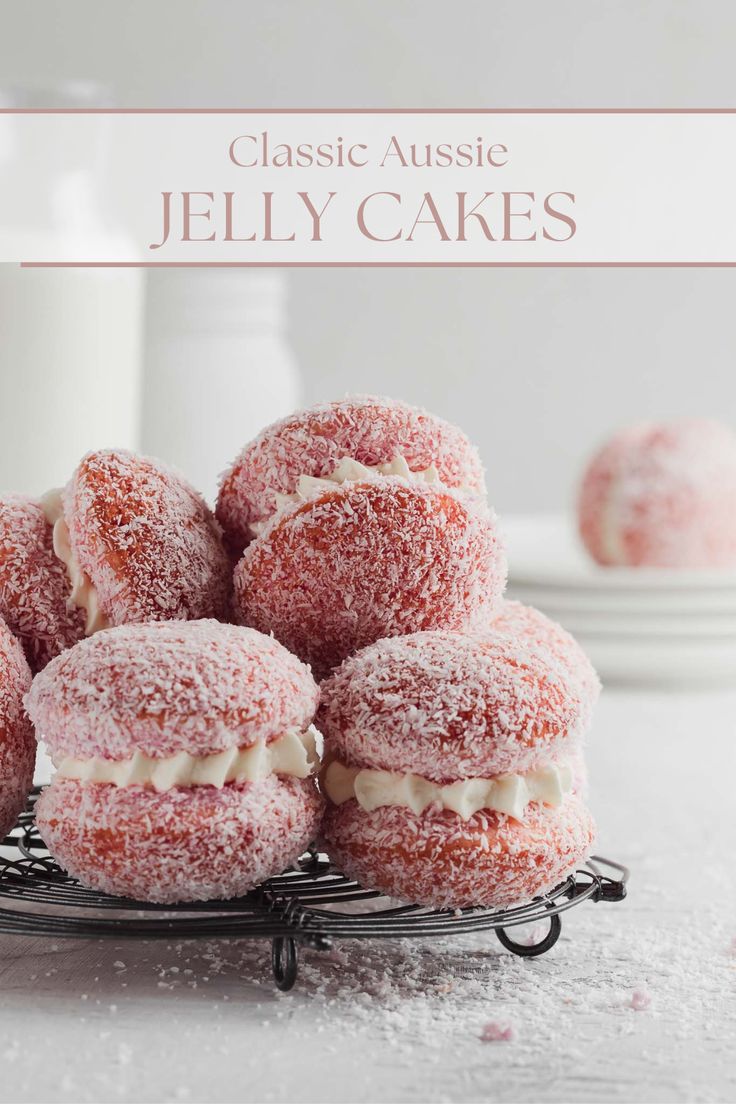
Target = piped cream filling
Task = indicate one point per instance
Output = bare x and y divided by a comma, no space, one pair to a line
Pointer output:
293,754
83,593
347,471
507,793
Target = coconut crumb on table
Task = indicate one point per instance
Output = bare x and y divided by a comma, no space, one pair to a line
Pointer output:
494,1032
640,1000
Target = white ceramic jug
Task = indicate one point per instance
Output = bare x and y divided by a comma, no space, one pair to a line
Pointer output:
70,338
218,367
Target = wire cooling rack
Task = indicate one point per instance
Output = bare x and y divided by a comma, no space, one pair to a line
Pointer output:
311,905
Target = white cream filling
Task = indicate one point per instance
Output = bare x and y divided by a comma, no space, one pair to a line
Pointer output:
83,592
347,471
293,754
507,793
612,540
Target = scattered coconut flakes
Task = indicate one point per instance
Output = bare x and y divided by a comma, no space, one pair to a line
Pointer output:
495,1032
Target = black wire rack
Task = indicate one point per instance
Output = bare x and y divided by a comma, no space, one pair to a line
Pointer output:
300,907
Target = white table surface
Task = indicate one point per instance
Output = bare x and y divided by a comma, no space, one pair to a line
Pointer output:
93,1021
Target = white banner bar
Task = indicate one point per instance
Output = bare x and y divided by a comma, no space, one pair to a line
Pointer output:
368,188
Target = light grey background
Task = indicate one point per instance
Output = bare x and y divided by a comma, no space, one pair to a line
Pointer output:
535,364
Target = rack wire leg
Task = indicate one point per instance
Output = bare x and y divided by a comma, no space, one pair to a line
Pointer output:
284,962
524,950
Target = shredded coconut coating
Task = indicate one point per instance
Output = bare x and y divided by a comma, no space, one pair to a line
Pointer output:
439,860
662,495
365,561
146,540
170,686
17,744
449,706
34,586
312,442
534,630
197,844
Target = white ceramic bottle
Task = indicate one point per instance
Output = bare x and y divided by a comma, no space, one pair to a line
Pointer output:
69,370
70,338
218,367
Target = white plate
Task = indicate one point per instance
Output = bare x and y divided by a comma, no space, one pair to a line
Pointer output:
544,550
624,624
637,625
668,663
685,602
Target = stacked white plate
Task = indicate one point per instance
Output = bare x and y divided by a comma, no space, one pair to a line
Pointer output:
638,625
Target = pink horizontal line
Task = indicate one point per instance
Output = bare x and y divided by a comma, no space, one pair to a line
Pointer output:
378,264
367,110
